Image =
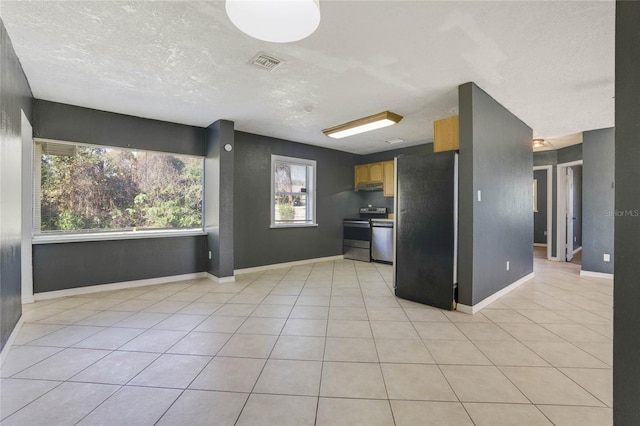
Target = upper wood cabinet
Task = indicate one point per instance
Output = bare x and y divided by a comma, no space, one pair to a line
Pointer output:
446,134
362,174
376,173
388,185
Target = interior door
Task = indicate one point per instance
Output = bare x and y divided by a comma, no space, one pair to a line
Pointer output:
569,216
425,255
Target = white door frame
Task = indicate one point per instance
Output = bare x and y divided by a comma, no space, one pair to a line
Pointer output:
26,266
549,170
561,197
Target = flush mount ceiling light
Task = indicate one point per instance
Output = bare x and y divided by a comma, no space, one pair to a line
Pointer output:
537,143
361,125
277,21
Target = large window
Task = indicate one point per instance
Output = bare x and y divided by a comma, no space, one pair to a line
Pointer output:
83,189
292,191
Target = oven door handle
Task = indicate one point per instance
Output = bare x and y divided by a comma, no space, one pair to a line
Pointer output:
355,224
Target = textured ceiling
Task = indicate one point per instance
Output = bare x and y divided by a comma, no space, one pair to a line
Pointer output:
551,63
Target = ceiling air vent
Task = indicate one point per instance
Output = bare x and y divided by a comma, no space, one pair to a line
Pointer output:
264,61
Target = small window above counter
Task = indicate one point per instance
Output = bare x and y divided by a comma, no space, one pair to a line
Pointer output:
375,177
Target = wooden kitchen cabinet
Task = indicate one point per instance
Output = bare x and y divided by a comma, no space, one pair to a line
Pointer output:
446,134
376,173
362,174
388,183
368,173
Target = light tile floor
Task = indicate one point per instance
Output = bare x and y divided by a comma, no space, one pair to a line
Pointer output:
323,344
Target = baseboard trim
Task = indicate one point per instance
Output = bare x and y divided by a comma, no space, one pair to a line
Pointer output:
577,250
287,264
596,274
116,286
12,337
539,244
221,280
495,296
29,299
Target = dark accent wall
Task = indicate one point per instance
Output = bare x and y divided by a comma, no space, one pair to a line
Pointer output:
495,158
15,96
598,200
577,206
377,198
77,124
540,217
70,265
626,339
219,198
569,154
255,242
162,256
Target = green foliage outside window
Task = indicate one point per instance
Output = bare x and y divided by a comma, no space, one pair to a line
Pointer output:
99,188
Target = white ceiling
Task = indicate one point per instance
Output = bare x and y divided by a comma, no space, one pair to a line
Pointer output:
551,63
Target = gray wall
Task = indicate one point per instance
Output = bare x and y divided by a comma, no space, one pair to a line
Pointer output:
175,256
577,206
71,265
598,200
254,241
540,217
570,153
15,96
77,124
626,339
495,158
219,198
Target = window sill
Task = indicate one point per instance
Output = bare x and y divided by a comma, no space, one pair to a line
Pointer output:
110,236
294,225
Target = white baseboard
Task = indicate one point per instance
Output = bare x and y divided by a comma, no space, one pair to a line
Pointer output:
596,274
116,286
28,299
287,264
495,296
222,280
12,337
539,244
577,250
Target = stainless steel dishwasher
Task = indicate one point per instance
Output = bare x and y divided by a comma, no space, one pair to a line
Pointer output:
382,240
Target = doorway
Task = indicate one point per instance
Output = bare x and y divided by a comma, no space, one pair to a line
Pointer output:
542,211
569,213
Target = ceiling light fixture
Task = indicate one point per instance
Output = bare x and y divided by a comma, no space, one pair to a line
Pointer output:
537,143
362,125
277,21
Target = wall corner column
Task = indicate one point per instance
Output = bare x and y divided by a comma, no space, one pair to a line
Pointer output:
218,196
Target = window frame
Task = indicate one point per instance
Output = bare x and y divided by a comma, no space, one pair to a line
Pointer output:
311,191
75,236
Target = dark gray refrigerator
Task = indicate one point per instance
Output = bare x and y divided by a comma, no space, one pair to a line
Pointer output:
426,224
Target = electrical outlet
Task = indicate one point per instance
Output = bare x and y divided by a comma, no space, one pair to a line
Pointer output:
507,265
209,254
575,239
545,232
606,257
479,195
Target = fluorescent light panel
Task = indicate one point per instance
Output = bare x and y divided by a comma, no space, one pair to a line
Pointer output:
361,125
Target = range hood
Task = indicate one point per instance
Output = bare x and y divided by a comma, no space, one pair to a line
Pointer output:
370,187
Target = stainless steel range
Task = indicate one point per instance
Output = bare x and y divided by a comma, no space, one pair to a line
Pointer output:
356,242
